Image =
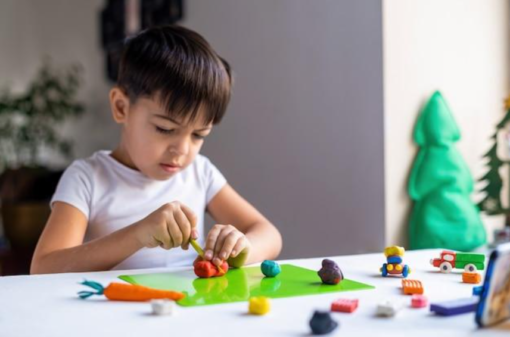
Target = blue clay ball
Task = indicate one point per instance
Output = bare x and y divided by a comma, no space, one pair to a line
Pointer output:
270,268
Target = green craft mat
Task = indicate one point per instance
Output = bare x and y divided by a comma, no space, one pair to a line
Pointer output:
240,284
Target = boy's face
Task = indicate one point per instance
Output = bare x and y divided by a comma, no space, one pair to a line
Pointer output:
152,142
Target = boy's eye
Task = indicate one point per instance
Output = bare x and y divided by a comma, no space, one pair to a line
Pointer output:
164,131
170,131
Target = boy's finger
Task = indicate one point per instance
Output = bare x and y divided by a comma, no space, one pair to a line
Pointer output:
239,247
164,239
184,225
229,244
174,231
192,218
220,242
210,242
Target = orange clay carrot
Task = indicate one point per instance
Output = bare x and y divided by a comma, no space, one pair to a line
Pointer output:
129,292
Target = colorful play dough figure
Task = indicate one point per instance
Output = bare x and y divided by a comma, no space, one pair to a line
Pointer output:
270,268
330,273
394,264
206,269
322,323
259,305
443,216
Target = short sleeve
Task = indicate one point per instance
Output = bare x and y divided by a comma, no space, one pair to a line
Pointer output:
214,180
75,187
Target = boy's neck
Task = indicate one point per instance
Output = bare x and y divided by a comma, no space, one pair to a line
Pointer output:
120,155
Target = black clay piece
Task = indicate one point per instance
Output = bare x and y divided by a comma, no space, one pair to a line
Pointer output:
322,323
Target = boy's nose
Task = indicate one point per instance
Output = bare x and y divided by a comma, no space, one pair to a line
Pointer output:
181,147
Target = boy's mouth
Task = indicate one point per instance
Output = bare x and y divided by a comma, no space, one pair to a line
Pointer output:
170,168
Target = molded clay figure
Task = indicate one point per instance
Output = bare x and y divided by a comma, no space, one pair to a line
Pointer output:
330,273
322,323
206,269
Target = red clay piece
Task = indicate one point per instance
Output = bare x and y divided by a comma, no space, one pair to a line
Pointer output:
206,269
224,268
344,305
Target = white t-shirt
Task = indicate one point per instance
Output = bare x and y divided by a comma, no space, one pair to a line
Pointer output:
113,196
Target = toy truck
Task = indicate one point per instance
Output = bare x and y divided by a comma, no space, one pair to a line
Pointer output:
452,260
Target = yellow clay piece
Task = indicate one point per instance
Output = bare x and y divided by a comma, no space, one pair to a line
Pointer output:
394,251
389,267
259,305
398,267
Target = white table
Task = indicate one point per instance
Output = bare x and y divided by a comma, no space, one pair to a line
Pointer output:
47,305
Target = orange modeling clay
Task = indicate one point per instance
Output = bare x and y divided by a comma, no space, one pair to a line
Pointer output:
411,287
473,278
129,292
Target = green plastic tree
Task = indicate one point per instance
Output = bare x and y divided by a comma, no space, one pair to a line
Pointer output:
440,185
491,203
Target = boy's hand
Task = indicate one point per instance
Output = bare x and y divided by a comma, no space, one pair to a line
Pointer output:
172,225
227,242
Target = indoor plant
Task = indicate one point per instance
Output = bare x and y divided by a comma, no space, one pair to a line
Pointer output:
29,123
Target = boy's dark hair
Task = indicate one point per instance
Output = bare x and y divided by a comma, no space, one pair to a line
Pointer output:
179,66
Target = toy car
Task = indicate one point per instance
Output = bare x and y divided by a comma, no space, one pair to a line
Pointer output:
393,265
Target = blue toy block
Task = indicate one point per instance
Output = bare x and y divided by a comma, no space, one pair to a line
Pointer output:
477,291
455,307
394,259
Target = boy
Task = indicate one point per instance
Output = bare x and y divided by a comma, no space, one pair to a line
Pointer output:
136,206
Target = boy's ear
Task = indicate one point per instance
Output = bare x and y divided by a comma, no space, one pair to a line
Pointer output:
119,104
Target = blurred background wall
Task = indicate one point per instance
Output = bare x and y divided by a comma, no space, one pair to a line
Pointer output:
304,136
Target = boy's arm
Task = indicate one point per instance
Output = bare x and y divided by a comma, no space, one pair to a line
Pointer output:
61,249
228,207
